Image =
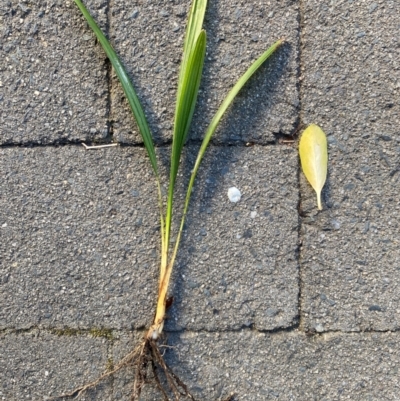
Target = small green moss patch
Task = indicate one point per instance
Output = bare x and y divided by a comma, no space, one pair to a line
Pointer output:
67,331
100,332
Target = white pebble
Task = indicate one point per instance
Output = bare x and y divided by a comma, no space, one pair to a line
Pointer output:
253,214
234,194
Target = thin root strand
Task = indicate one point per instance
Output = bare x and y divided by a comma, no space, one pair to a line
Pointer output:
128,359
150,367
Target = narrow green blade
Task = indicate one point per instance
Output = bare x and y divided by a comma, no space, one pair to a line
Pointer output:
213,126
186,102
130,93
226,103
211,129
194,26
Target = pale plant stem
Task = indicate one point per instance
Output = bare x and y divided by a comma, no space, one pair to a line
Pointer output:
168,217
157,327
165,272
185,209
164,246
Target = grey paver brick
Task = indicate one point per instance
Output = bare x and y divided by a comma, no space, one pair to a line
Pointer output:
350,253
238,264
53,85
78,237
80,240
36,365
149,38
284,366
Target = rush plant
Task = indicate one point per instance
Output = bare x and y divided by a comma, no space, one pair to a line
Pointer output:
147,357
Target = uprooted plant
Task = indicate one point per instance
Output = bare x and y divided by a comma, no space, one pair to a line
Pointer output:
146,358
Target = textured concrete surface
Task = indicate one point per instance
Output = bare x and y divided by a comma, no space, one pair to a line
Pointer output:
272,298
53,85
149,36
39,365
351,256
85,245
280,366
86,251
232,252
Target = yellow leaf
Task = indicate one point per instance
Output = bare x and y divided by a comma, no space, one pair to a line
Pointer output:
313,151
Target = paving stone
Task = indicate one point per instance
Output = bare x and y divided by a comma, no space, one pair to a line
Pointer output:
35,366
284,366
238,264
149,37
350,256
79,238
53,85
80,242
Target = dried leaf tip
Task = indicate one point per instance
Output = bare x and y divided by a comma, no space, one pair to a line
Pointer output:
313,150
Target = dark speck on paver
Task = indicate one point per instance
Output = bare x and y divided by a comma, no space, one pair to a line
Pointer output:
192,284
180,11
349,187
248,233
375,308
134,14
274,393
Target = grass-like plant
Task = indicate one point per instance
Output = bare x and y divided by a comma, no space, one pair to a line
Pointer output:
146,356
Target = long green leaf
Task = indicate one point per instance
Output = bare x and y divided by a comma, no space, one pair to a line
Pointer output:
213,126
186,103
187,100
182,120
194,26
227,102
130,93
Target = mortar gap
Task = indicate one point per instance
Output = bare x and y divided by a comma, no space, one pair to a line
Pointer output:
299,251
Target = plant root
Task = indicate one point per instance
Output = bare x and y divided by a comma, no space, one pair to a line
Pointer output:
125,361
150,368
152,360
